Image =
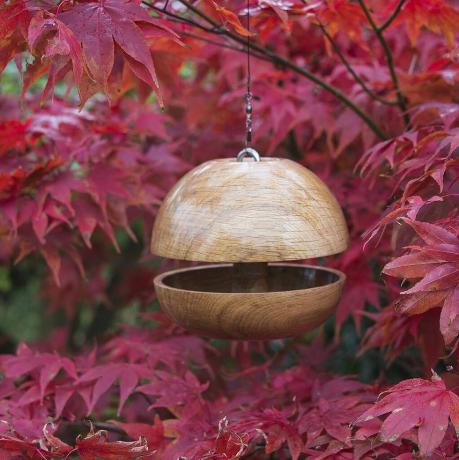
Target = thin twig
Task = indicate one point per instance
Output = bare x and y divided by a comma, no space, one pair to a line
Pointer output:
178,18
351,70
389,61
390,19
292,66
181,20
222,44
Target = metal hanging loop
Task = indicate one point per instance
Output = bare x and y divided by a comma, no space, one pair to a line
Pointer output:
248,151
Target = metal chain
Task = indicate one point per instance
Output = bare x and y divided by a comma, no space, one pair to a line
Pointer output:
248,151
248,96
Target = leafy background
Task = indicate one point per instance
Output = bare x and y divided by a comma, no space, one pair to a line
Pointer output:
103,106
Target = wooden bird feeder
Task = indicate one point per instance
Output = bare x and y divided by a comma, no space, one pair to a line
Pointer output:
249,217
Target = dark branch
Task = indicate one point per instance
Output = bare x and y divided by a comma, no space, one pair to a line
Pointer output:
223,45
186,21
389,61
284,62
180,19
390,19
351,70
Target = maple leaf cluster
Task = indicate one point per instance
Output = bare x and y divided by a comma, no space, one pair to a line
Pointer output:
299,410
106,104
64,175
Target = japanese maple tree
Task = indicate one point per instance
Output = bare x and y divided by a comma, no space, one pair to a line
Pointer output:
104,104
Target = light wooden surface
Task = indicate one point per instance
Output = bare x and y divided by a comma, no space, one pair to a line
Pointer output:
295,299
228,211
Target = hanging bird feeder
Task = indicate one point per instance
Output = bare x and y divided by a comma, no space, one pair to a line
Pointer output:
250,216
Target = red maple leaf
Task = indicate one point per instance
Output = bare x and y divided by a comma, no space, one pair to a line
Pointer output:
436,15
13,135
153,433
103,378
339,15
333,417
434,269
56,47
276,428
14,18
416,403
229,19
16,446
46,365
172,390
20,179
112,28
96,446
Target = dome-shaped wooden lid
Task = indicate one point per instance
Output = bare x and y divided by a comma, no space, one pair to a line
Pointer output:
230,211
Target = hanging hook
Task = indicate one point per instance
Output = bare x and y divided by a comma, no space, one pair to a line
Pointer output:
248,151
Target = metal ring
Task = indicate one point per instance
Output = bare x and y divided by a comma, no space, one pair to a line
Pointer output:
248,151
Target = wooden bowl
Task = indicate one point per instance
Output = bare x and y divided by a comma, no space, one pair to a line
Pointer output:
295,299
268,211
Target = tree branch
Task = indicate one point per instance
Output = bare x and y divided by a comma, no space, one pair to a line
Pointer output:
282,61
186,21
223,45
178,18
394,14
351,70
389,61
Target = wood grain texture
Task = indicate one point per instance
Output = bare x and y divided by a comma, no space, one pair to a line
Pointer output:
267,211
297,298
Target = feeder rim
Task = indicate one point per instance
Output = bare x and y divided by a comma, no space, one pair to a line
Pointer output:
158,280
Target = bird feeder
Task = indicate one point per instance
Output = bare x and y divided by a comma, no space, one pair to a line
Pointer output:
249,217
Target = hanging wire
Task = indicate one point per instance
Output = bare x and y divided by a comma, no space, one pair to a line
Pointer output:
248,96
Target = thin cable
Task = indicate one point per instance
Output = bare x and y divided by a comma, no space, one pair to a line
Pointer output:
248,96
